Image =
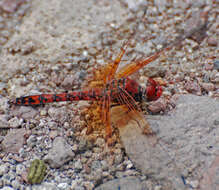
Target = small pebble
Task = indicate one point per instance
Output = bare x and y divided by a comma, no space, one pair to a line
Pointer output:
43,112
212,41
78,165
194,184
216,64
7,188
208,86
15,122
15,184
63,186
209,66
3,169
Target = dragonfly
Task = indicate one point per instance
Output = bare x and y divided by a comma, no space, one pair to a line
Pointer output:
110,85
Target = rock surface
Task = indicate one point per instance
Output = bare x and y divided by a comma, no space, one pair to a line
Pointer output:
59,154
186,140
14,140
127,183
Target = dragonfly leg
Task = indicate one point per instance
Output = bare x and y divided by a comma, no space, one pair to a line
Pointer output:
108,123
106,115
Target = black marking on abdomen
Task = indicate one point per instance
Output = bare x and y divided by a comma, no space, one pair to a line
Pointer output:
57,98
71,96
30,100
41,99
20,100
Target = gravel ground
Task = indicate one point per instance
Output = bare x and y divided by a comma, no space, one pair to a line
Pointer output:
51,46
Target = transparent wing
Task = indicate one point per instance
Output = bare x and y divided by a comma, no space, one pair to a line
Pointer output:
130,110
134,66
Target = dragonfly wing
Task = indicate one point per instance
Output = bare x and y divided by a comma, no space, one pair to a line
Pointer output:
121,117
103,74
138,64
114,65
132,111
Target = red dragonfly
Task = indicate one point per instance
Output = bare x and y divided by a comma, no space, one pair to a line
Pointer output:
108,86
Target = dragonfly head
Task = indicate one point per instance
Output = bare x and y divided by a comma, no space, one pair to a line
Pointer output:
153,90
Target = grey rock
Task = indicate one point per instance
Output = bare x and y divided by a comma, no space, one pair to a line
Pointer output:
134,5
45,186
216,64
7,188
14,140
15,184
118,159
15,122
128,183
63,186
100,142
208,86
60,153
199,3
96,165
186,140
1,138
68,82
83,145
104,164
1,183
212,41
79,188
10,176
32,141
10,6
25,112
154,71
78,165
193,87
2,86
3,169
161,4
20,169
3,122
210,177
58,114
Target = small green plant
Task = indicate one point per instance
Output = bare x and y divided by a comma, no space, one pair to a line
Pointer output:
37,172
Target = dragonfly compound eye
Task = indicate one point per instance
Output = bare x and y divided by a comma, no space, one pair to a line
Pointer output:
153,90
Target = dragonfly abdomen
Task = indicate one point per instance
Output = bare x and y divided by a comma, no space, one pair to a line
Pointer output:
93,94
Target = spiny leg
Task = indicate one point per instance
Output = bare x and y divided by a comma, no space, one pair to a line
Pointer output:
106,114
103,109
108,119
